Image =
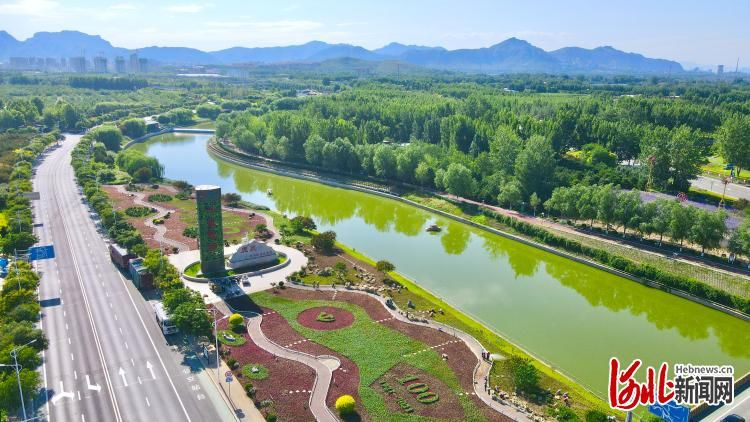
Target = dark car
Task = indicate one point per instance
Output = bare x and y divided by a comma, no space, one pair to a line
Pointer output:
733,418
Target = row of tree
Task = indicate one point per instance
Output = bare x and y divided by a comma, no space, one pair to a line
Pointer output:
612,206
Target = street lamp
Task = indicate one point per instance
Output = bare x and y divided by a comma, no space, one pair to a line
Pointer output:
216,338
14,355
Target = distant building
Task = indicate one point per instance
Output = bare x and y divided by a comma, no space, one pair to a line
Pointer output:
77,64
143,65
134,65
63,64
20,63
100,64
120,64
720,69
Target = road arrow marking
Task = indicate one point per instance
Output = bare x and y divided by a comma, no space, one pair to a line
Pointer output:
122,375
95,387
61,395
150,369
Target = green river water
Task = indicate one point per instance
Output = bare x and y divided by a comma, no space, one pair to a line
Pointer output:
570,315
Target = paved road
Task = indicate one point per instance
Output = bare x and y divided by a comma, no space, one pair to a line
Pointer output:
715,185
740,406
107,359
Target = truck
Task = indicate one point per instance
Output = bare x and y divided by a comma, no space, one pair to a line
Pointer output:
120,256
166,325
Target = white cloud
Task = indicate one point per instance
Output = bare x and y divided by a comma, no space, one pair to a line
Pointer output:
185,8
32,8
123,7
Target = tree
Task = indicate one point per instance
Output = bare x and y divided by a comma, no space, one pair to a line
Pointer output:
133,128
534,201
384,162
325,241
607,205
687,152
739,241
525,374
208,111
510,194
231,199
733,140
340,269
300,224
535,166
458,180
191,320
110,136
424,174
681,223
314,150
626,209
709,228
384,266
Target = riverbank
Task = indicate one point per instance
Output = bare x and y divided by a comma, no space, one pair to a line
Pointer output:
692,290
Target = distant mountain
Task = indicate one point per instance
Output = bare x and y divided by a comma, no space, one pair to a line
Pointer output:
510,56
608,59
395,49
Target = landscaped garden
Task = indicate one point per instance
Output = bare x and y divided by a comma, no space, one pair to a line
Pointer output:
392,370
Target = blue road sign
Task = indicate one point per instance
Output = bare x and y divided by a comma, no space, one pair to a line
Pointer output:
670,412
41,252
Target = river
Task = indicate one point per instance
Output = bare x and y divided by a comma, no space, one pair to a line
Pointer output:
570,315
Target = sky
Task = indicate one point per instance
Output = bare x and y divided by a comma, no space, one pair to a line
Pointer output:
690,31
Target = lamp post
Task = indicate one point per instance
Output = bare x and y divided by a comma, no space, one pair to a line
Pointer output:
14,355
216,337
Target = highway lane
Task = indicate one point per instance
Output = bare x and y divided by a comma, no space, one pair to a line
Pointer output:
120,346
715,185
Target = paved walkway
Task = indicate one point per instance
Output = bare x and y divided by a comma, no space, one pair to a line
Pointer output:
323,373
161,230
715,185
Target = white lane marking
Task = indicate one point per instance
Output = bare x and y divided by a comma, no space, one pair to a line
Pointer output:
140,381
120,329
95,387
66,326
148,403
69,340
75,374
106,294
150,369
83,418
110,305
64,313
126,345
122,375
132,362
71,357
61,395
79,395
115,317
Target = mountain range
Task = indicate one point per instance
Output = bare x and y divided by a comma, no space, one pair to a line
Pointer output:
510,56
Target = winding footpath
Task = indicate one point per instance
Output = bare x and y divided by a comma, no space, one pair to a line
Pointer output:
161,230
324,374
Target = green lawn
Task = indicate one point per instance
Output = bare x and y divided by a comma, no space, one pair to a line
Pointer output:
237,339
716,166
233,224
374,348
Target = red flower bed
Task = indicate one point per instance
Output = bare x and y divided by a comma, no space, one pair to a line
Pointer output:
339,318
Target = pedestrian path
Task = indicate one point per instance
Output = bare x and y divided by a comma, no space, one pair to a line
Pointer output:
161,229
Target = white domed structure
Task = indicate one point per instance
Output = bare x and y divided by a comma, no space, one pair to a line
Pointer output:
251,254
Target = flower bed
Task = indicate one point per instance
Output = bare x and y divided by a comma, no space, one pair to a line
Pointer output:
255,371
231,338
325,318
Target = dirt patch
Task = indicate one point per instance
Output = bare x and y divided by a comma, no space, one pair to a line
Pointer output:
408,390
288,385
345,378
325,318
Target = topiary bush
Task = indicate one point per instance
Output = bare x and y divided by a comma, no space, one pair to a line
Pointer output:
138,211
191,232
345,404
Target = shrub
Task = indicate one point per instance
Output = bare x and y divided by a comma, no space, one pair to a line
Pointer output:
138,211
191,232
596,416
236,319
158,221
231,362
345,404
262,373
159,197
271,417
182,196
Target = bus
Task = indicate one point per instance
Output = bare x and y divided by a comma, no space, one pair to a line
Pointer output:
163,320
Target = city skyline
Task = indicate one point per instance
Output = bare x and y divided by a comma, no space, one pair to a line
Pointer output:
692,33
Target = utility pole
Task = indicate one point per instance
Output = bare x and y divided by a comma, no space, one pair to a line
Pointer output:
14,355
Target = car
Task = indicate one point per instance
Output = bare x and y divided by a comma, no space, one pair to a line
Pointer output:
733,418
245,282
